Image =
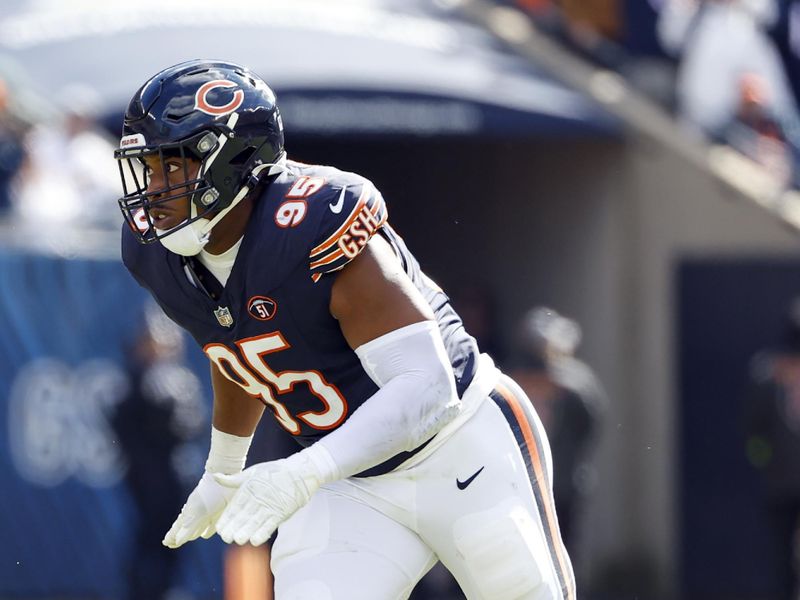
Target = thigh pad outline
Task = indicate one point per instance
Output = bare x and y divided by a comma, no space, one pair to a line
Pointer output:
505,552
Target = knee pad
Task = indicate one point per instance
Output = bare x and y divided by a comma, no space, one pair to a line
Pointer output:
505,553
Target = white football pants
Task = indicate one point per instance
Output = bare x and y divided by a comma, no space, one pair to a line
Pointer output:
481,503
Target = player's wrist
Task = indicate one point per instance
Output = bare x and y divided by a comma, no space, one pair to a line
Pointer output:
316,466
228,452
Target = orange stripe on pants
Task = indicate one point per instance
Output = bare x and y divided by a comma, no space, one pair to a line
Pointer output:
547,511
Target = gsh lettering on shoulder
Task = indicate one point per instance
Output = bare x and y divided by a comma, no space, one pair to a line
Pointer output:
357,235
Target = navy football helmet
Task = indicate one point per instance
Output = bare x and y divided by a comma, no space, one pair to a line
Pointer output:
217,113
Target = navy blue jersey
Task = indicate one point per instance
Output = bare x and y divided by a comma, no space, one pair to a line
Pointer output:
270,329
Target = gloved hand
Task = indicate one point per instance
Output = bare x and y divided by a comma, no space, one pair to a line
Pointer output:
269,493
199,515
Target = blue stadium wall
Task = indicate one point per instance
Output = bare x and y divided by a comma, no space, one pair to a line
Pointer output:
66,518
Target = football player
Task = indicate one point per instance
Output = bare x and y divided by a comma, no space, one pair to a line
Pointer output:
414,447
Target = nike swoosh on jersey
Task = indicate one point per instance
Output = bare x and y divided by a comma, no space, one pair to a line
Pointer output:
463,484
336,207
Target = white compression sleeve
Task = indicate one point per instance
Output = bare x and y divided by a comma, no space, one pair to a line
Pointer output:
417,397
228,452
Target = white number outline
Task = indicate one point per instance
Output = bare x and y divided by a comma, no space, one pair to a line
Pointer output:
291,213
260,381
305,186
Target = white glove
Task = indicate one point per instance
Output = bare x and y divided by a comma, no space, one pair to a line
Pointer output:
269,493
200,513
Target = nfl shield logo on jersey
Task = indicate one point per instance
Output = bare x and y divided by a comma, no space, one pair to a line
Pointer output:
223,314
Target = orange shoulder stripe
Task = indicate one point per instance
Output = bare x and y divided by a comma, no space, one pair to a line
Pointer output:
344,227
328,258
337,253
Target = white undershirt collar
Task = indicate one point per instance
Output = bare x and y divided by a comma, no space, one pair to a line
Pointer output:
220,265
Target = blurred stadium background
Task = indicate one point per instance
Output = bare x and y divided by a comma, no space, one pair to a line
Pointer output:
603,157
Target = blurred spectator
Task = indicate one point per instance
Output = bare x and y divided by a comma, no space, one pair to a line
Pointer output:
11,147
71,176
590,27
772,420
701,35
756,131
570,401
157,426
678,18
616,34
